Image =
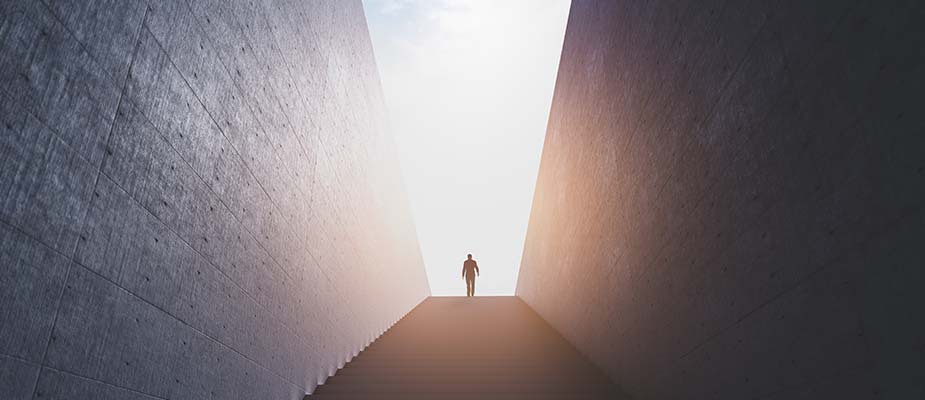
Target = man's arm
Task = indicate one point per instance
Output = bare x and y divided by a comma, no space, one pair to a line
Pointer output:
464,271
476,269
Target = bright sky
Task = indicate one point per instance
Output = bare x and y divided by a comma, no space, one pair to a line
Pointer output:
469,84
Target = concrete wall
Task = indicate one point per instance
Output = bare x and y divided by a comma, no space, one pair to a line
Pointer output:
198,199
730,199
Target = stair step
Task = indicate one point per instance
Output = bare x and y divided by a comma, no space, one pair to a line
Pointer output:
463,348
471,388
538,371
465,379
466,396
474,364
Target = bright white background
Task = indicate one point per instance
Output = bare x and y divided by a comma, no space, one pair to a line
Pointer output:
468,85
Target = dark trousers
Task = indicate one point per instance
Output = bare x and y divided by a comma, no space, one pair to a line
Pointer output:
470,286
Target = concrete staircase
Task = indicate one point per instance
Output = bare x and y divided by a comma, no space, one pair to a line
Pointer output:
472,348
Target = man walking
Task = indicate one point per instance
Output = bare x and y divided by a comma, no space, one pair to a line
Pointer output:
469,272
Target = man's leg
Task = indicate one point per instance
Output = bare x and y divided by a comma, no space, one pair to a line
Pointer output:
470,286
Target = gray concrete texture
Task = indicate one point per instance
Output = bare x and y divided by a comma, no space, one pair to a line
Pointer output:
198,199
730,198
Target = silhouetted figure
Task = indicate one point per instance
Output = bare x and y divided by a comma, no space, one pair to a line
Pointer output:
470,271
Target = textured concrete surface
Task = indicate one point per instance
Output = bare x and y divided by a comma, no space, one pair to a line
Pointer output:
730,199
198,199
470,347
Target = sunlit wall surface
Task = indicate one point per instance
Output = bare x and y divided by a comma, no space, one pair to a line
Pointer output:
468,85
198,200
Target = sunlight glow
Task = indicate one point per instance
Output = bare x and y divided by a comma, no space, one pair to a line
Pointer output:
469,85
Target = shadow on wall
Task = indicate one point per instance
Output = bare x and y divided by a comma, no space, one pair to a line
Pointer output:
729,202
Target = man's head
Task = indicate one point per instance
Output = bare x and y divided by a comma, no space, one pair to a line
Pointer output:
469,256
